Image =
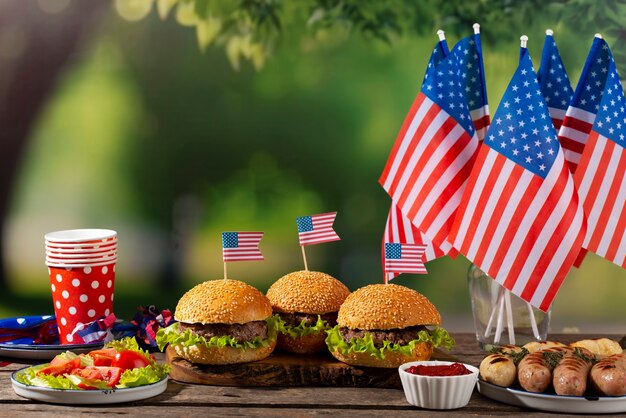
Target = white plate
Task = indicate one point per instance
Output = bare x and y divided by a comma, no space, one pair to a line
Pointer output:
43,351
554,403
86,397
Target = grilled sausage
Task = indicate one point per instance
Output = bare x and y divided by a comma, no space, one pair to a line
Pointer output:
498,369
534,372
570,376
608,376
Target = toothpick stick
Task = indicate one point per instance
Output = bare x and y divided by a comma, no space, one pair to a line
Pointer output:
496,340
476,27
533,321
493,314
225,271
441,34
549,32
509,317
306,267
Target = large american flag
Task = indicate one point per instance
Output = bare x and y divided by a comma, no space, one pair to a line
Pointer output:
553,81
433,154
399,229
241,246
520,219
404,258
600,176
582,110
469,53
316,229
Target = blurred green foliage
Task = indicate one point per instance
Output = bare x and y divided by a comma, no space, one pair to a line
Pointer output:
143,126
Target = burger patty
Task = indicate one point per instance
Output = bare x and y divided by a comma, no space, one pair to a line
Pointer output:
397,336
295,319
240,332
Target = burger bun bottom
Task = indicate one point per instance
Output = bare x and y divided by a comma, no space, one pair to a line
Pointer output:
308,344
422,352
202,354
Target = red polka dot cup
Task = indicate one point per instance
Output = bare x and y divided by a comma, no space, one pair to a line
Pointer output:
81,295
81,266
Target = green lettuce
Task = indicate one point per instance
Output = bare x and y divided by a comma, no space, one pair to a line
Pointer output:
172,335
29,377
130,378
302,329
438,337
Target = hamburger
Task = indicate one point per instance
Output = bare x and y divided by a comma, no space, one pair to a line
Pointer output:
307,303
221,322
386,325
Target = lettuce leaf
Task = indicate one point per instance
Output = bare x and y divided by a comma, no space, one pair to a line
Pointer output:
29,377
143,376
303,329
172,335
438,337
130,378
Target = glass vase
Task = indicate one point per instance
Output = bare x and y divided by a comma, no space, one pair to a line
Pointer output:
500,317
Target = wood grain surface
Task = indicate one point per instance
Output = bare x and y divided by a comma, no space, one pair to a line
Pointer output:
287,370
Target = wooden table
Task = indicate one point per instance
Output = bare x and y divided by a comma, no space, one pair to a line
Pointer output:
189,400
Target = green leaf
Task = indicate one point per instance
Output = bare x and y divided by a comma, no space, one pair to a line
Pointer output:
133,10
172,335
164,7
186,14
207,31
301,330
438,337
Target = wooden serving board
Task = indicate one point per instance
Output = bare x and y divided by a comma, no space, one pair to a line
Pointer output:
287,369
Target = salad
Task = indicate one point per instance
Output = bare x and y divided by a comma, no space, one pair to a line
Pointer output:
119,364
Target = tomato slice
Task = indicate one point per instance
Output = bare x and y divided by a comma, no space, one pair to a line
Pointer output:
60,366
103,357
110,375
129,359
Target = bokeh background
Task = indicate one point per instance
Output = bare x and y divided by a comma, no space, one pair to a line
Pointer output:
148,118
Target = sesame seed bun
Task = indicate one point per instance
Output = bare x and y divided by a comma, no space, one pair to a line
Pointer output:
222,301
422,351
387,306
202,354
310,292
307,344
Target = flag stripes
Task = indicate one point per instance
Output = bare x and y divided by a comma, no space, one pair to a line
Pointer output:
317,229
419,172
404,258
602,187
241,246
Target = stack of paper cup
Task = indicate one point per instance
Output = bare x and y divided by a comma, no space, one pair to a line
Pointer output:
81,265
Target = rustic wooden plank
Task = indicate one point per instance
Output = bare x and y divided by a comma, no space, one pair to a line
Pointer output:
141,410
287,369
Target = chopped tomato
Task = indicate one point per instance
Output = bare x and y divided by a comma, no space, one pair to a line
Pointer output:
128,359
60,366
110,375
103,357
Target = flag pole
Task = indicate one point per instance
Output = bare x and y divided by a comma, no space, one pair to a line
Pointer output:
496,339
225,271
549,32
476,27
441,34
306,267
493,313
509,317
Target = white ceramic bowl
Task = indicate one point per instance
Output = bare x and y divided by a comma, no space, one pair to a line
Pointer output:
437,392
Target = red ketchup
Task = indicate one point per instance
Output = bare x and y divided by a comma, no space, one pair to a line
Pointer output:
454,369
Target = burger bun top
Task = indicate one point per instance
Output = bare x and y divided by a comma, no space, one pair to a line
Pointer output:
224,301
310,292
387,306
